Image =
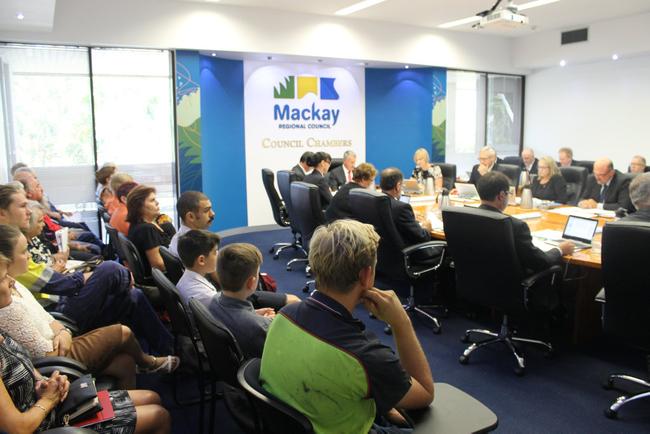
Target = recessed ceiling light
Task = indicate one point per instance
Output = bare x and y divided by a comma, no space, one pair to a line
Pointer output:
214,54
406,67
20,16
358,6
562,62
614,56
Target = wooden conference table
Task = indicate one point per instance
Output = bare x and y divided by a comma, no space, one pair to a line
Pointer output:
586,316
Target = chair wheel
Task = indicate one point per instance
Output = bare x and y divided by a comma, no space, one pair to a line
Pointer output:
611,414
271,249
519,371
288,268
465,338
388,330
608,384
463,359
437,330
305,289
276,257
372,315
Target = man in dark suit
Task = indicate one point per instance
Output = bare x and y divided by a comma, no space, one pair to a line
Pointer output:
606,188
565,156
640,197
487,159
301,169
410,229
528,161
493,189
362,177
343,173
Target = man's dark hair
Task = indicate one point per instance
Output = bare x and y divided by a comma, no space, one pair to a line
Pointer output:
236,263
491,184
7,192
195,243
189,201
315,159
390,177
305,156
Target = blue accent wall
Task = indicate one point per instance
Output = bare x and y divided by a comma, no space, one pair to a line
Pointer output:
398,116
222,138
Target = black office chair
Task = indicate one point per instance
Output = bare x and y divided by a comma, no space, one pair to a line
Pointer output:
513,160
223,353
114,242
336,162
308,214
587,164
131,257
173,265
448,174
576,179
626,313
511,171
488,273
285,179
272,415
73,369
395,259
280,214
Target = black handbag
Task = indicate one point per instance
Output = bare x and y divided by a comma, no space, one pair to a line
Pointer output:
81,402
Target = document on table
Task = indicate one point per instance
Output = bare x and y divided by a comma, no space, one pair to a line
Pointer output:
581,212
547,234
436,223
540,244
528,215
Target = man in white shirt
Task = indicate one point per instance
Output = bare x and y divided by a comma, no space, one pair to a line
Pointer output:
195,210
342,174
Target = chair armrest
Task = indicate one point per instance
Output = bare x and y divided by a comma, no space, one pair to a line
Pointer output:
60,361
66,321
550,276
408,253
531,281
600,297
72,374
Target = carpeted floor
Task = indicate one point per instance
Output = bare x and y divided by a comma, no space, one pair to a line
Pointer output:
561,394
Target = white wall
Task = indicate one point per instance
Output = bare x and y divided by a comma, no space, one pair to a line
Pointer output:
165,24
598,109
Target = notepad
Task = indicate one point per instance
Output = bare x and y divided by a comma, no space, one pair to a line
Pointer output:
106,413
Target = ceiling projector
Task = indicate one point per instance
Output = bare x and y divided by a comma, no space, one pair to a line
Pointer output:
507,17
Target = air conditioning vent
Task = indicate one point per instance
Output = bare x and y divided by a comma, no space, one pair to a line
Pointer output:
573,36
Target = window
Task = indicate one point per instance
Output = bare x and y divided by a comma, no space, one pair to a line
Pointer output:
504,113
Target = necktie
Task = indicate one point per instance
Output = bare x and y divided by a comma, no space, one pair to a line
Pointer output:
603,193
349,175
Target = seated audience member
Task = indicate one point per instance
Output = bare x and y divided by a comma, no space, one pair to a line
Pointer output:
238,268
110,350
102,177
424,169
549,183
362,177
310,344
320,163
15,168
487,159
79,232
638,164
93,299
41,250
28,399
565,155
198,251
529,162
606,188
145,232
412,230
195,211
640,197
116,181
343,173
120,211
493,191
302,169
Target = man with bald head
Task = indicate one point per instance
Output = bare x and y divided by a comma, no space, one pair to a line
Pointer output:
606,188
638,164
487,159
528,161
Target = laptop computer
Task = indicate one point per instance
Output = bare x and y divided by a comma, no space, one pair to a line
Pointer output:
578,230
467,191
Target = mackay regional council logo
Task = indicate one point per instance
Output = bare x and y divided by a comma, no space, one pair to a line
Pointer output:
298,87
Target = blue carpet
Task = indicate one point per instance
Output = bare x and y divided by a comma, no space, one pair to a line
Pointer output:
561,394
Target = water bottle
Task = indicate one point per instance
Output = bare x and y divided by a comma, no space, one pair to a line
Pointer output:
526,198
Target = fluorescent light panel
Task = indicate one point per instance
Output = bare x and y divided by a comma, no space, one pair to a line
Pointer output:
475,18
358,6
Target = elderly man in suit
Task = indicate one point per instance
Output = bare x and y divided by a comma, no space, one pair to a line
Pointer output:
565,156
640,197
488,161
528,161
342,174
302,169
607,188
638,164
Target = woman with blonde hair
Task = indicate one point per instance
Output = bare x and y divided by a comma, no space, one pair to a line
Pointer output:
424,169
549,183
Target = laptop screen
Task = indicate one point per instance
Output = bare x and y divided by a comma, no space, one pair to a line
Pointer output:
405,199
580,229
